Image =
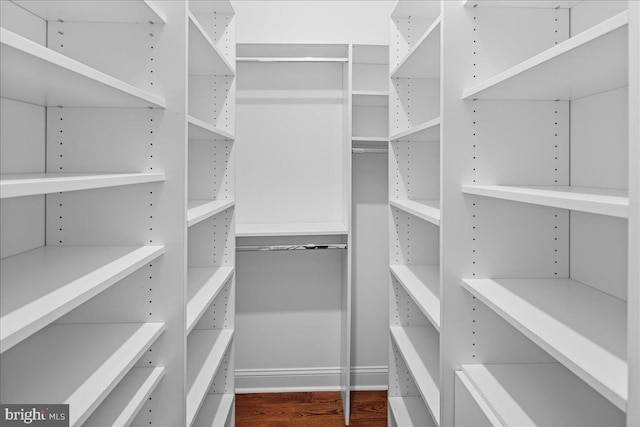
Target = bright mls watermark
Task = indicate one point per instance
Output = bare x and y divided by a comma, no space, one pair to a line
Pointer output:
34,415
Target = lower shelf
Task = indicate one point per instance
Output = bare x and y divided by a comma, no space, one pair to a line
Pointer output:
422,283
75,364
409,412
429,210
125,401
215,410
203,285
205,350
419,347
535,394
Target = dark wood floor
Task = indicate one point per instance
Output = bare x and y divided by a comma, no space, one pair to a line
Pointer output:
317,409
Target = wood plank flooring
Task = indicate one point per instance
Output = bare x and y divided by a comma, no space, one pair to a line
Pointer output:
317,409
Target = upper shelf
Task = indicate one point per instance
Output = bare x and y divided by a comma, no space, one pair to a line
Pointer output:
96,11
291,229
223,7
370,98
591,62
205,351
30,184
429,210
104,353
419,348
428,131
584,199
416,9
583,328
422,283
423,60
203,285
537,4
536,394
199,129
199,210
43,284
35,74
122,405
204,56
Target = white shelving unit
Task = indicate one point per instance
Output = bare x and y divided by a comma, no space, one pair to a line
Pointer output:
415,219
210,303
538,212
91,230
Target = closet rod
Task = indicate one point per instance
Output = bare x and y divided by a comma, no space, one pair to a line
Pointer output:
308,246
369,150
290,59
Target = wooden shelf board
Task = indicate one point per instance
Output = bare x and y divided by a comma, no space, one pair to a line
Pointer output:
43,284
291,229
429,210
583,328
410,411
205,351
591,62
122,405
215,410
423,60
537,394
204,56
416,343
428,131
35,74
203,285
584,199
370,98
422,283
536,4
139,11
75,364
30,184
199,129
199,210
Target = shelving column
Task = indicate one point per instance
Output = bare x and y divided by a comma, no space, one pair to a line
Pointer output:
92,185
210,309
414,199
538,187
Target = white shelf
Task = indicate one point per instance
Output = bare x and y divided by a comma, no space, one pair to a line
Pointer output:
591,62
583,328
409,412
291,229
370,98
41,285
423,60
416,343
203,285
536,4
370,139
537,394
215,411
204,57
422,283
428,131
35,74
30,184
199,129
205,351
81,365
429,210
290,59
223,7
584,199
140,11
199,210
122,405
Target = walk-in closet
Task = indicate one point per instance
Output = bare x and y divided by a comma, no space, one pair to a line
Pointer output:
258,213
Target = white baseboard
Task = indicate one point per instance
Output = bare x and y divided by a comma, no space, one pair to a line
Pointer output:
308,379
